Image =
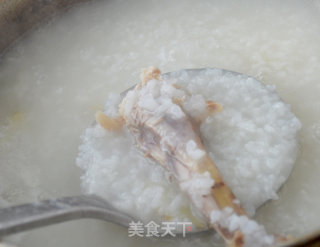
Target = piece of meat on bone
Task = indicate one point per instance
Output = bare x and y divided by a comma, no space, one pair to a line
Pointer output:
164,131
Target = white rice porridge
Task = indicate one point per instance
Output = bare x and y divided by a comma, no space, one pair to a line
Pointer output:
54,80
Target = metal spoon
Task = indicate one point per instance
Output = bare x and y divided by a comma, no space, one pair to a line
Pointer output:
33,215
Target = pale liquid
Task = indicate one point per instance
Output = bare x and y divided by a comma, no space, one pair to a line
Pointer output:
53,81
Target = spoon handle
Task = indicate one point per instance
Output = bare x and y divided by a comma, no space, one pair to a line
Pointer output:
28,216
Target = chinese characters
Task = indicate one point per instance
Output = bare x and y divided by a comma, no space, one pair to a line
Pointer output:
152,229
